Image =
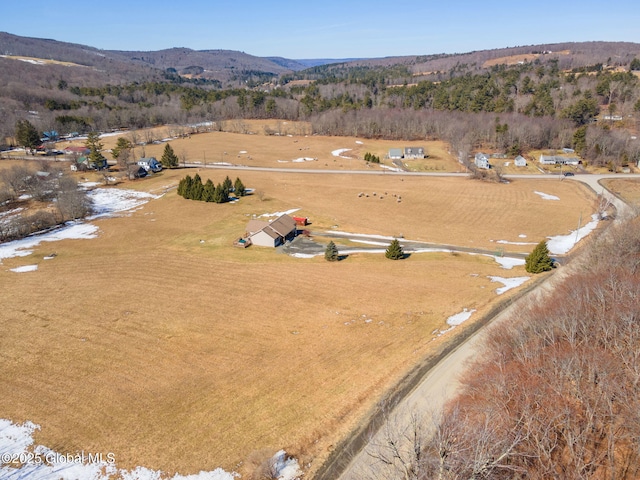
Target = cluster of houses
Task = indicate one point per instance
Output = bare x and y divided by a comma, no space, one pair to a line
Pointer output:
408,153
80,162
482,160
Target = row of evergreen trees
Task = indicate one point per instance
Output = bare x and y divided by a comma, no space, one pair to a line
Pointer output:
194,189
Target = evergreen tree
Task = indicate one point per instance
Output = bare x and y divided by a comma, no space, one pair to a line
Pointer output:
218,195
227,185
195,192
209,192
96,159
394,250
122,151
184,187
238,188
27,136
539,260
169,158
331,252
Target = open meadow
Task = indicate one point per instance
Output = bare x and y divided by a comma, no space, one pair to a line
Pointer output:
269,143
160,342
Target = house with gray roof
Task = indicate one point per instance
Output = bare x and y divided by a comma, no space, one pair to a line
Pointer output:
481,160
413,153
271,234
520,161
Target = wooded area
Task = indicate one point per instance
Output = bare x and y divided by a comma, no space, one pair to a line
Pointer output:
548,102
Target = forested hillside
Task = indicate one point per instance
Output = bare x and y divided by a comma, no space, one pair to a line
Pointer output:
555,394
585,96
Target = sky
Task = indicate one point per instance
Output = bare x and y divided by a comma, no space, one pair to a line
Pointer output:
322,29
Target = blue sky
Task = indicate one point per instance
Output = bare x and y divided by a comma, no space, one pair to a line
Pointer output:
322,29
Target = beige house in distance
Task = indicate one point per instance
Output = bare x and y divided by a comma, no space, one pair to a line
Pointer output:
271,234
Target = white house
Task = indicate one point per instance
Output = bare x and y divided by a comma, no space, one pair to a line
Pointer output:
150,164
558,160
413,153
548,159
271,234
520,161
482,161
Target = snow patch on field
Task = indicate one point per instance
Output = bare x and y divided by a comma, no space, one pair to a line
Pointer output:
455,320
460,318
16,441
561,244
339,152
107,202
25,268
508,283
25,246
546,196
303,159
286,468
279,214
508,262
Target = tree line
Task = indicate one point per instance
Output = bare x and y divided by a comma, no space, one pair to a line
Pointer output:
55,193
194,189
555,392
519,97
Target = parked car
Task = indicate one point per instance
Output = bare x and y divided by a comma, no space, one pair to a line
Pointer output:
568,174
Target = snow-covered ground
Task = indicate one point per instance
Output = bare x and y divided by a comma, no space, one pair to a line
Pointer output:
546,196
279,214
454,320
508,283
561,244
105,201
111,201
338,153
38,462
25,268
25,246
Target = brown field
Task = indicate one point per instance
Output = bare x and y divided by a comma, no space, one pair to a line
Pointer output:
627,189
256,149
515,59
160,342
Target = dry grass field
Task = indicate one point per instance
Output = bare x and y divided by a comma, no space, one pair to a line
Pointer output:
627,189
244,142
162,343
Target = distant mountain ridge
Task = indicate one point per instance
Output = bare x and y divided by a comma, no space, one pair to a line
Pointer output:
214,63
234,67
